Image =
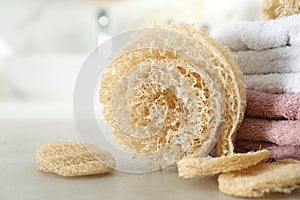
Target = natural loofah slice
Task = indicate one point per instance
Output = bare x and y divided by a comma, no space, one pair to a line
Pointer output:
170,105
176,85
192,167
231,78
282,176
273,9
74,159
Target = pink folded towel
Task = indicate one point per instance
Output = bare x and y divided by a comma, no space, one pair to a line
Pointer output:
277,152
280,132
273,106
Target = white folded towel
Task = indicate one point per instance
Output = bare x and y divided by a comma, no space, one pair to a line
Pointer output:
274,83
277,60
259,35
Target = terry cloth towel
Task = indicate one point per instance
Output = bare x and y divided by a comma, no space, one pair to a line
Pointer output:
277,152
280,132
279,60
259,35
273,106
274,83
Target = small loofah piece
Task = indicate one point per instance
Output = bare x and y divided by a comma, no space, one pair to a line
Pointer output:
192,167
273,9
282,176
74,159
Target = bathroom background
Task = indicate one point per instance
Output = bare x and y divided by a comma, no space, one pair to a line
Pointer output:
43,43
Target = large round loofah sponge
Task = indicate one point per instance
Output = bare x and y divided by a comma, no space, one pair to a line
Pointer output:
164,95
273,9
74,159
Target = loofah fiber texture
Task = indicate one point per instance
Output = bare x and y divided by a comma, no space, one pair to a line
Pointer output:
192,167
273,9
282,176
74,159
232,80
177,85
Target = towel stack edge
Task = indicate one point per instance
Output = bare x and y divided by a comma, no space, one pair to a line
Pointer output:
268,54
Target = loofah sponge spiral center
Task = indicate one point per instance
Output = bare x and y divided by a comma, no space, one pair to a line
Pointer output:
165,95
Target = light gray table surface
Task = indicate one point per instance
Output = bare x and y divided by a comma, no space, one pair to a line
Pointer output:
19,179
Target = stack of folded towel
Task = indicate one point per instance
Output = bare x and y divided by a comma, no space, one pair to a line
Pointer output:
269,55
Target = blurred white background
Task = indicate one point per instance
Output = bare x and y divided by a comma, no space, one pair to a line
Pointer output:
43,43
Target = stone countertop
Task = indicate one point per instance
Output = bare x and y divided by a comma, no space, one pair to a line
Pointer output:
19,140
